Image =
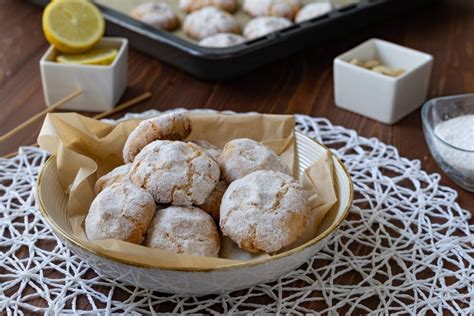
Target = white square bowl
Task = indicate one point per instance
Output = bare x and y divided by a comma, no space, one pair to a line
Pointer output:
377,96
101,86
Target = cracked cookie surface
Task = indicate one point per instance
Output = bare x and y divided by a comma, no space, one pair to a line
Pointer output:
264,211
117,175
172,126
209,21
159,15
211,149
188,230
175,172
264,25
121,211
243,156
279,8
212,204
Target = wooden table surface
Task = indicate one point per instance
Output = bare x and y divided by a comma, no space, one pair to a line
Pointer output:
302,83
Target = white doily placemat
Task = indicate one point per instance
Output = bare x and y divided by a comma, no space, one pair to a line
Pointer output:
406,248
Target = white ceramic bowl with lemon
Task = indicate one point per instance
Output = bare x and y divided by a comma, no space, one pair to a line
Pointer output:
85,60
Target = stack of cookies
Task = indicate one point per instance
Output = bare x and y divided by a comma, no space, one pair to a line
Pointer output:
213,24
182,196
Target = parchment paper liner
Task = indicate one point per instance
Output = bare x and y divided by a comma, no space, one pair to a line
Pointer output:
86,149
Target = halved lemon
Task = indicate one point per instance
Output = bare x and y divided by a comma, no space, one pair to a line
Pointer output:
73,26
95,56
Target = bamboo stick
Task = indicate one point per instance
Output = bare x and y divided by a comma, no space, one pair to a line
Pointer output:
37,116
119,108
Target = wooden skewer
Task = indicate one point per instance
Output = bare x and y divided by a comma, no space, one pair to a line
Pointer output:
119,108
123,106
37,116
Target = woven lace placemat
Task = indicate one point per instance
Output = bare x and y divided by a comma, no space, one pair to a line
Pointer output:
406,248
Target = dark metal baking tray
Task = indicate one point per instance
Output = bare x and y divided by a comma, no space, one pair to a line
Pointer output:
223,63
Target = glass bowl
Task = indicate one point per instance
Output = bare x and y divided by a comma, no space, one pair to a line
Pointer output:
457,163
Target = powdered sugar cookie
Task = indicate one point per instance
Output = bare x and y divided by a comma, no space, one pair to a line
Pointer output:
172,126
121,211
264,25
282,8
222,40
159,15
119,174
264,211
212,204
209,21
209,148
186,230
313,10
243,156
175,172
193,5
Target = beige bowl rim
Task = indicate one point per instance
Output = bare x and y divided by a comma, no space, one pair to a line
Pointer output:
72,239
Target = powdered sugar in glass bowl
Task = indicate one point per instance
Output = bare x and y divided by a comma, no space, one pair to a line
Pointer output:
448,124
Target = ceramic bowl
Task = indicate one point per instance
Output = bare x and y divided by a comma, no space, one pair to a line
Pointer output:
377,96
53,202
102,86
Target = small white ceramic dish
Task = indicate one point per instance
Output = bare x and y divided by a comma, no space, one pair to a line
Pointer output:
101,86
53,201
377,96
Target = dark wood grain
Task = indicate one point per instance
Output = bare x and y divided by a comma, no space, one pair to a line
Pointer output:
302,83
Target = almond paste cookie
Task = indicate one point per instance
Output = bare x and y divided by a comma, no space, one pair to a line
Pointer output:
188,230
121,211
313,10
221,40
172,126
175,172
209,21
159,15
212,204
189,6
119,174
281,8
243,156
264,211
209,148
264,25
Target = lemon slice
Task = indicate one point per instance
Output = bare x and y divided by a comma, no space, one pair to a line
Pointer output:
96,56
73,26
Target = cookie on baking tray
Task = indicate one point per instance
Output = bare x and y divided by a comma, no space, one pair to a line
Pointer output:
172,126
243,156
121,211
281,8
119,174
264,25
209,21
188,230
156,14
264,211
313,10
175,172
189,6
222,40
